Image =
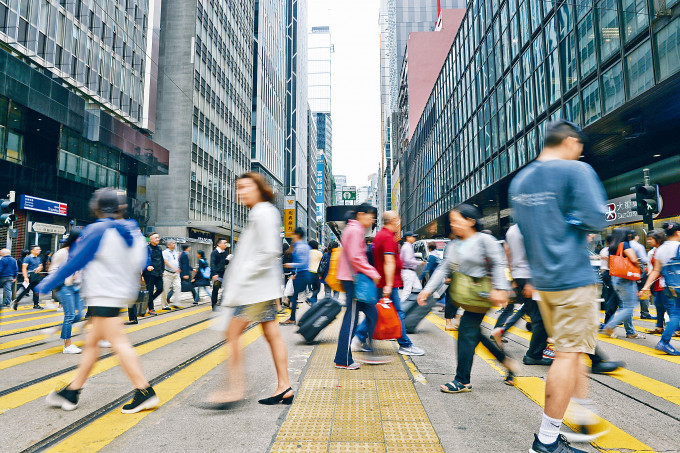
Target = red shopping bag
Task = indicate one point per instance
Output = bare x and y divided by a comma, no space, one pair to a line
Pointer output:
388,326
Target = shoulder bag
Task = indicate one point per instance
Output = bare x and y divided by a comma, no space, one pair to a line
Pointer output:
621,266
364,289
472,293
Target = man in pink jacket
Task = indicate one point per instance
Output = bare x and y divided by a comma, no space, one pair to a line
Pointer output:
352,261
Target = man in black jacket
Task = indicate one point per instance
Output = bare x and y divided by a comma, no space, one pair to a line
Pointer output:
153,275
218,262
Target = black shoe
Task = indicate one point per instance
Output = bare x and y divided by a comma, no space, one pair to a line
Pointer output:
560,446
494,339
15,305
37,307
143,399
131,323
647,316
605,367
276,399
531,361
64,398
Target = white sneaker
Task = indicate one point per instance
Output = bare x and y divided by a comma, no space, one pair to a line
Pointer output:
51,333
359,346
104,344
60,308
412,350
72,349
50,306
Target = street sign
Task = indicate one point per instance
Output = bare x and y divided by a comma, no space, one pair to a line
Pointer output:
48,228
42,205
289,216
623,210
349,193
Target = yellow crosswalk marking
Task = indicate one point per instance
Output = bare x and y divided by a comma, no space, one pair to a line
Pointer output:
614,440
27,329
14,315
16,321
106,429
639,381
57,349
33,392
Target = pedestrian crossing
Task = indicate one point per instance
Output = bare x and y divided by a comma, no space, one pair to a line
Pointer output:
176,329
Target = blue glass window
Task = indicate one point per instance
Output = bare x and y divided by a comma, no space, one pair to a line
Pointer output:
639,71
524,22
550,36
609,28
612,88
572,110
591,103
586,44
553,67
540,89
565,20
635,18
535,14
668,49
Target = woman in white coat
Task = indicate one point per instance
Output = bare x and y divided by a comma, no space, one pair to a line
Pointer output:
252,285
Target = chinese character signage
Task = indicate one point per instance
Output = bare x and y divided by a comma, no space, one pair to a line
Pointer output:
42,205
622,210
289,216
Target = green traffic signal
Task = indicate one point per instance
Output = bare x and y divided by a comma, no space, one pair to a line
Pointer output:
7,215
647,199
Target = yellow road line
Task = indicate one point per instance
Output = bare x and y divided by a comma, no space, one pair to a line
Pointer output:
639,381
9,309
22,341
57,349
615,440
29,328
106,429
16,321
417,375
14,315
35,391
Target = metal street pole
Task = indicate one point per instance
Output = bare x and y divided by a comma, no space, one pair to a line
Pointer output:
648,217
233,204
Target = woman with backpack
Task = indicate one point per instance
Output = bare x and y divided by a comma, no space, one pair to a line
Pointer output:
476,264
626,289
202,277
667,264
655,239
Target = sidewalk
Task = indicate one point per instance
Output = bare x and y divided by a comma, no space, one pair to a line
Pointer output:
373,409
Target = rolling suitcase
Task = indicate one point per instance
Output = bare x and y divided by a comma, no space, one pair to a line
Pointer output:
414,313
320,315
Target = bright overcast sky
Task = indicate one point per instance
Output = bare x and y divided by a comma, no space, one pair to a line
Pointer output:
355,78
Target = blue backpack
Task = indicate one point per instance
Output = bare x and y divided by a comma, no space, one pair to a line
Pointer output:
205,272
671,271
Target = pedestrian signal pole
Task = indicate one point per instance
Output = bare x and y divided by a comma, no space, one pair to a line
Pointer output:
7,216
647,199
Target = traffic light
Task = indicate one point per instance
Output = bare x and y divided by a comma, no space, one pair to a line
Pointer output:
7,208
647,199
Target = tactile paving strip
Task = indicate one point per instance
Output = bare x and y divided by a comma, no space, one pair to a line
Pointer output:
375,409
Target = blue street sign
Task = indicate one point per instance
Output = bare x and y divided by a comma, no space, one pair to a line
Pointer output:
42,205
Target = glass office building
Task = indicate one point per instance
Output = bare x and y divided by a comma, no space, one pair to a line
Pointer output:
609,65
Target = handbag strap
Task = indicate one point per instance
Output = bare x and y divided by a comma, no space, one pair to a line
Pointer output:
619,249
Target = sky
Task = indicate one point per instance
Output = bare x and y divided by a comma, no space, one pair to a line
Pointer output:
355,84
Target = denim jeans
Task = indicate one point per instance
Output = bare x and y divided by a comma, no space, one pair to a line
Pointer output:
343,355
404,341
72,303
299,286
6,284
660,304
314,286
673,309
627,291
198,292
469,336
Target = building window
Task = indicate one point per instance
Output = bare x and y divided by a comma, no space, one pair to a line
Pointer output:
15,147
612,88
639,71
635,18
668,49
568,62
591,103
572,110
609,27
554,77
586,44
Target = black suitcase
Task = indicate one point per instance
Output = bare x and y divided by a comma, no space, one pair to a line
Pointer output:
320,315
414,313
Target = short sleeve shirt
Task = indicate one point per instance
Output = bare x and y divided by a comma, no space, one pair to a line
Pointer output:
666,251
385,244
33,262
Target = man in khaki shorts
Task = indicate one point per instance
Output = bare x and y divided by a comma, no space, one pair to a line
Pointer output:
557,202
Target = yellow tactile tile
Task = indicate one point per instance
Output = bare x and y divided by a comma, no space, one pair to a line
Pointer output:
316,395
357,411
411,448
356,431
395,411
399,432
301,447
356,447
311,410
356,384
299,430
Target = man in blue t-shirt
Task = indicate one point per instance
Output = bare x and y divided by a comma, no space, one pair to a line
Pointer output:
30,268
557,202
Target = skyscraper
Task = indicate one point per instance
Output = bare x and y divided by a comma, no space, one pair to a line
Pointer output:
204,116
268,145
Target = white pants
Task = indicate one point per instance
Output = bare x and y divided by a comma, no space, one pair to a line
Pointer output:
171,281
411,282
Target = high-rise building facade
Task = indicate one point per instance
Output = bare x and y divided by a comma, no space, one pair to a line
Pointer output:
515,65
77,104
398,18
204,116
270,115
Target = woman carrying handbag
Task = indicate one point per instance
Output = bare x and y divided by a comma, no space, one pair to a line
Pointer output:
476,265
357,277
624,270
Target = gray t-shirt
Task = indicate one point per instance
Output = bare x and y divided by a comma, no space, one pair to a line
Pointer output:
666,251
519,264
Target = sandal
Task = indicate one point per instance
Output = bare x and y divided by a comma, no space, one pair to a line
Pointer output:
637,336
657,331
451,328
677,334
455,387
287,322
510,378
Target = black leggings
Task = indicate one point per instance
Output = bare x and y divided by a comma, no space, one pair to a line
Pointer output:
469,336
450,308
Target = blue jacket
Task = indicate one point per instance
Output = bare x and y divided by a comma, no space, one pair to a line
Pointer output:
8,267
432,263
300,256
556,204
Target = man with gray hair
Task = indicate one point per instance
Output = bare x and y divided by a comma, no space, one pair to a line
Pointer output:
8,275
171,280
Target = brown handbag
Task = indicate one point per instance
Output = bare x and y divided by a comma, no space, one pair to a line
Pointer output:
622,267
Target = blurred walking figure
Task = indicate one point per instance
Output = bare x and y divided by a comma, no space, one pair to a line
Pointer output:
557,202
218,263
171,278
253,283
353,261
300,267
30,269
410,264
153,273
69,296
315,256
476,265
202,278
112,253
186,272
655,239
8,275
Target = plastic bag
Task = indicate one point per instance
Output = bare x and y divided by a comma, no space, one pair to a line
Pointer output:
290,289
388,326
